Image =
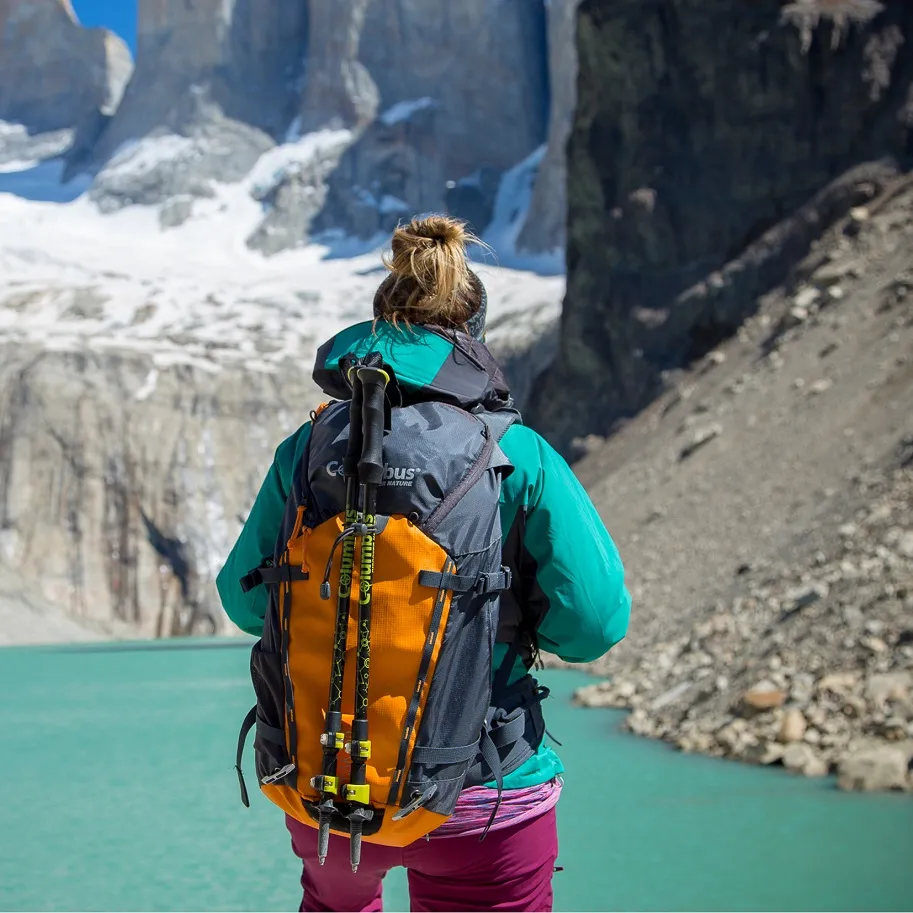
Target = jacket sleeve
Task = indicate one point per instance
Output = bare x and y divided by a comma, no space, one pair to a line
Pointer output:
257,540
577,588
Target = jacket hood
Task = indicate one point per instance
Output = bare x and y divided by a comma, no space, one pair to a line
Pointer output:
427,363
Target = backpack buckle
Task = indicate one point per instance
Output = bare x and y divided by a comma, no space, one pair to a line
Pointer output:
278,775
494,583
418,800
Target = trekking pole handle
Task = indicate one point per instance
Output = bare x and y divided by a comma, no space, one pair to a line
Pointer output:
374,384
356,442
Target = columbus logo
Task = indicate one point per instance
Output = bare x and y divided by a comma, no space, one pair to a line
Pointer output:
398,475
393,475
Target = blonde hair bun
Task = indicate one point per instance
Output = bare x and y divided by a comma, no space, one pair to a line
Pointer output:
430,281
436,228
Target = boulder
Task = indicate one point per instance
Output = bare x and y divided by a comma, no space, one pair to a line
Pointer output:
874,767
793,727
889,686
761,697
803,759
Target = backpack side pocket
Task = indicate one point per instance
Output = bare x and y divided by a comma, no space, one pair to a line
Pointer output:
272,758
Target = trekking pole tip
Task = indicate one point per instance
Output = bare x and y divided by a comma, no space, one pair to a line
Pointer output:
323,840
355,846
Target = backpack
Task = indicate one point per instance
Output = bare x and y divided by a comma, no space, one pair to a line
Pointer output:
373,677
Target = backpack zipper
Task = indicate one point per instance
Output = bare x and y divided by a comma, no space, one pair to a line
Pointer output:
475,473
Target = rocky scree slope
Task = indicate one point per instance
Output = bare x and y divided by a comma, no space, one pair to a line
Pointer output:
705,156
764,509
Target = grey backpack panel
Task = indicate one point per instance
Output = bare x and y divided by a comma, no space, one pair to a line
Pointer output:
428,450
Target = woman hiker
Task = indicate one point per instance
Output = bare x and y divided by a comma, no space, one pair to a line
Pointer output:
567,598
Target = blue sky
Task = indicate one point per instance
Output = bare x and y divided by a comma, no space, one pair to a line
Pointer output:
117,15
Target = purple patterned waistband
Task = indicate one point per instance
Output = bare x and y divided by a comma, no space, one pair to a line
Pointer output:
475,805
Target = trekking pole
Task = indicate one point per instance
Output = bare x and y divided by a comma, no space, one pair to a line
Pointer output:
370,473
332,738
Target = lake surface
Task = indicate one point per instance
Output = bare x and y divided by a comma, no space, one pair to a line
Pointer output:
117,792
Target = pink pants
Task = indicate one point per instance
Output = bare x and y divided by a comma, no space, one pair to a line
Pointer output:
511,870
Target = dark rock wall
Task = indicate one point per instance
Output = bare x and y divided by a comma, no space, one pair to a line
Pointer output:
697,130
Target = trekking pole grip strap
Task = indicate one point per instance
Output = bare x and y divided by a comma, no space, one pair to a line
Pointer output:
374,384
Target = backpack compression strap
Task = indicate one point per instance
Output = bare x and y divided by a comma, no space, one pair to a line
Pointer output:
485,583
268,575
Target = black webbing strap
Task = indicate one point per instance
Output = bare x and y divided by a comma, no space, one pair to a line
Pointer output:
246,727
485,583
491,757
509,730
271,733
506,734
436,757
272,575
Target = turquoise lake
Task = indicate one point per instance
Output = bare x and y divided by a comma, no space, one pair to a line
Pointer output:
117,792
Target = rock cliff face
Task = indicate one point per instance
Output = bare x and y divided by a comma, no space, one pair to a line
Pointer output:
339,100
697,132
438,93
243,55
431,94
482,63
338,90
121,484
54,74
216,79
544,229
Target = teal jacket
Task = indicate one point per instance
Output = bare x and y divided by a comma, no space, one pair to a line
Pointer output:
575,598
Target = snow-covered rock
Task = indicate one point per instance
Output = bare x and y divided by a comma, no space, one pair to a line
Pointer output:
147,377
170,261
